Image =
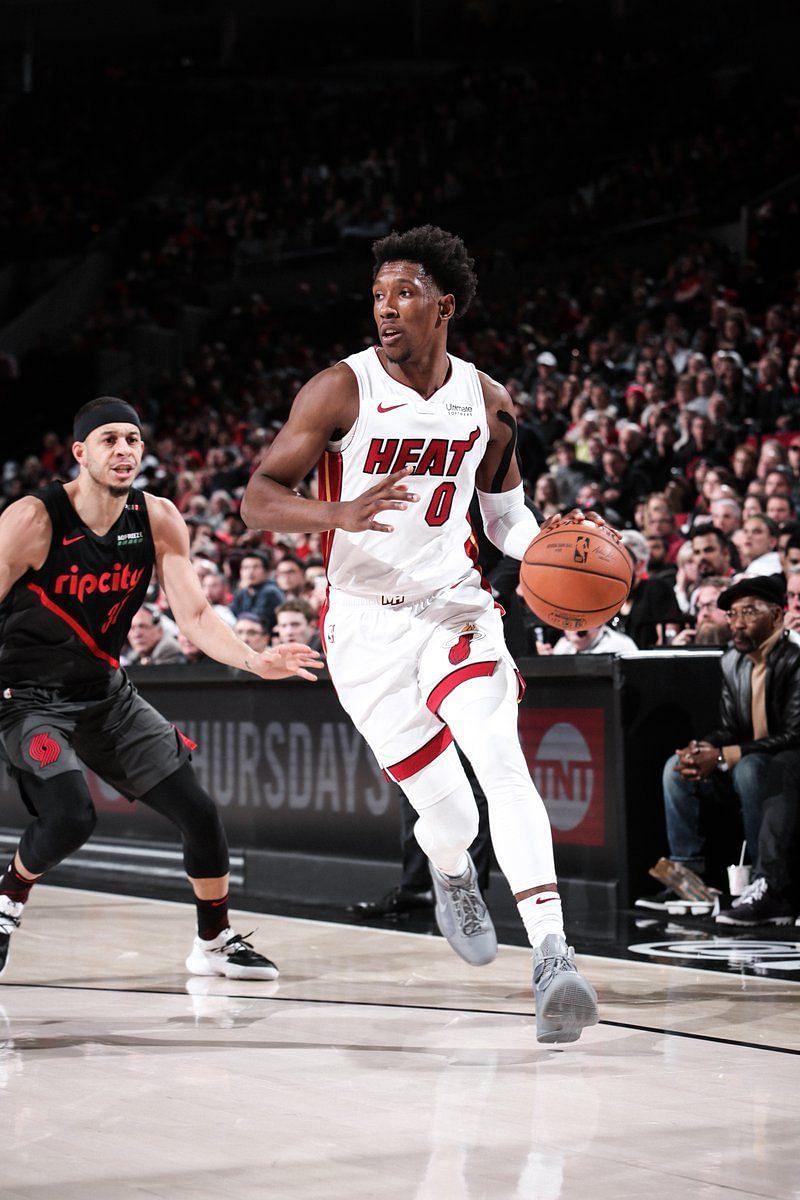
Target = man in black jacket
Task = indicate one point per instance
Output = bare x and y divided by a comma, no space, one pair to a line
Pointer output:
753,755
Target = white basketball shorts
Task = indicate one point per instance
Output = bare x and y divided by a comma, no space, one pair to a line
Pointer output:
392,665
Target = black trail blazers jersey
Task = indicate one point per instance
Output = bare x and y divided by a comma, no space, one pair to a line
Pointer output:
64,625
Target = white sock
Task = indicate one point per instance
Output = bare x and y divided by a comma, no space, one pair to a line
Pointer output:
541,914
460,869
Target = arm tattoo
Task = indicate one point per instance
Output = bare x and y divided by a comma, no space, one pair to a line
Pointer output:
505,461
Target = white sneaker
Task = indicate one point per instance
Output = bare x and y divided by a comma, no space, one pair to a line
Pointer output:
229,955
10,917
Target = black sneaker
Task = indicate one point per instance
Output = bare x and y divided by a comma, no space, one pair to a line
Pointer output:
757,906
676,906
399,902
10,916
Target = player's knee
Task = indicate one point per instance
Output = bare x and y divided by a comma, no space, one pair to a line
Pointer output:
65,819
449,826
183,801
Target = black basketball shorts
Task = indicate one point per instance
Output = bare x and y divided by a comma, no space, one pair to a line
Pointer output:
121,737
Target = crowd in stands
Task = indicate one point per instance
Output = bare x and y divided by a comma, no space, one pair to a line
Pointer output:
668,399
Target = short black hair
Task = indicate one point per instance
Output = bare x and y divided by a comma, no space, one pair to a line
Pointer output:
442,256
712,531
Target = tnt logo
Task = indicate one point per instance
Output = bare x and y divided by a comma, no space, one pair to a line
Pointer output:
565,754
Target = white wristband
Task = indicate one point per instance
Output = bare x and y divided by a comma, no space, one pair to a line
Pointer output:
509,524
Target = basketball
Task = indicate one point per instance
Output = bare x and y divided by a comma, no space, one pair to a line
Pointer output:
576,576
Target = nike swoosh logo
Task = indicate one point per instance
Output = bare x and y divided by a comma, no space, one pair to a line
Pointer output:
545,899
391,407
68,541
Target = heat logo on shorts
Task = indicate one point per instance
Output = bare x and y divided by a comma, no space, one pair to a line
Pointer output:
43,749
460,652
120,579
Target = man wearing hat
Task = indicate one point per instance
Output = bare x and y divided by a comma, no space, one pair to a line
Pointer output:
753,757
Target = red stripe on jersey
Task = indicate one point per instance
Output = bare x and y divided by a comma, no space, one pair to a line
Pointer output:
321,615
471,547
329,481
451,681
77,629
422,757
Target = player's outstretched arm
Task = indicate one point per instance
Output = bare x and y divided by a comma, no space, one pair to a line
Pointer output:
195,616
328,403
25,533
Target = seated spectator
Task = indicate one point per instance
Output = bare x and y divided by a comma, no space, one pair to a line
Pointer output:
290,576
712,552
789,553
215,590
658,566
191,653
759,547
295,621
651,604
250,628
658,519
257,592
726,515
711,626
570,475
600,639
791,618
745,757
149,642
687,577
545,494
780,509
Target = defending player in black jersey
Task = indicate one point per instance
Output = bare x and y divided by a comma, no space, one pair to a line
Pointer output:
75,563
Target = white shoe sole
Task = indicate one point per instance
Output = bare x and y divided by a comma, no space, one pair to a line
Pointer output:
199,965
569,1007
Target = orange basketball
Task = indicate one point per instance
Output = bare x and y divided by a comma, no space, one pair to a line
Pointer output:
576,576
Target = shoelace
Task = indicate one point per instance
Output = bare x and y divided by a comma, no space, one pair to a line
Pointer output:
754,891
551,966
235,943
470,910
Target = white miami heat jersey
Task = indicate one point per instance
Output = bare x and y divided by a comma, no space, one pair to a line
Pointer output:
444,439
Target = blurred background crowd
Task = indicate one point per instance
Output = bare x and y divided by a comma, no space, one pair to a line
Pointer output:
192,233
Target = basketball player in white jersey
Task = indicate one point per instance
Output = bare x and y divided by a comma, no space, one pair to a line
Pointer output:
413,639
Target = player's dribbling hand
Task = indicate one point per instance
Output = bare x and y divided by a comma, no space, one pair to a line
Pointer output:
359,514
575,516
291,658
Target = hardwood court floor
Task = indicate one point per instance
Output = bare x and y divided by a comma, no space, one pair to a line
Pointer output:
378,1066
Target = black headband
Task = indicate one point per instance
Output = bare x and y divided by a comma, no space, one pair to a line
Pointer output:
104,414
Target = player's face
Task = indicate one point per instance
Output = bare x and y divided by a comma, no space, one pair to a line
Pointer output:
407,309
111,455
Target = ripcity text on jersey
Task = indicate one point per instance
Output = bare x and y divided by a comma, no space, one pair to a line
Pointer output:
444,438
64,625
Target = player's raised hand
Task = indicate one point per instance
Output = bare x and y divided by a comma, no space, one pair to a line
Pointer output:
290,658
359,514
